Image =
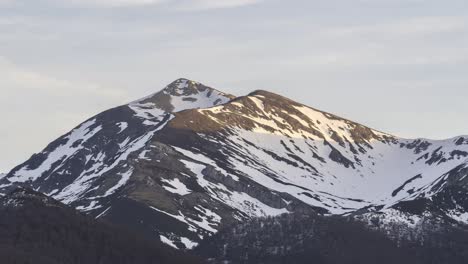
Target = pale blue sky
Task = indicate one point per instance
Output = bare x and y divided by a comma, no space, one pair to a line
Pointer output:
396,65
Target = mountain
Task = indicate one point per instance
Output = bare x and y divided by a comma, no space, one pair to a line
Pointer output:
37,229
188,161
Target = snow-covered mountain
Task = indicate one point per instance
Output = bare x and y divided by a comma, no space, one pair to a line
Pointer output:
183,163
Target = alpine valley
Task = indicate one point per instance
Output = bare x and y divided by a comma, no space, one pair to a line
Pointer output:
258,179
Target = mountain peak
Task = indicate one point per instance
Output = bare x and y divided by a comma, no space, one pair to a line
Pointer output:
184,94
186,87
271,96
183,86
264,93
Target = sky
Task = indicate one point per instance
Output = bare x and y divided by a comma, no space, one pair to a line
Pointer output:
399,66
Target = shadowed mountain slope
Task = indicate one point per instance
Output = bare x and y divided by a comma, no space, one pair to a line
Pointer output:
37,229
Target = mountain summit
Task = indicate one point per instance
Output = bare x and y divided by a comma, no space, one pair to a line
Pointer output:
185,94
183,163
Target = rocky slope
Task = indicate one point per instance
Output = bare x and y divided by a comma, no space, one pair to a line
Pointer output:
183,163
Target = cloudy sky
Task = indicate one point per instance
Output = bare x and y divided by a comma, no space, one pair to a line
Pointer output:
396,65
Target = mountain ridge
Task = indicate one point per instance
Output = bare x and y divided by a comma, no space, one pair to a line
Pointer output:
193,160
336,116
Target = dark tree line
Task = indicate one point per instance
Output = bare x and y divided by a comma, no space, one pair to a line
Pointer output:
313,239
37,230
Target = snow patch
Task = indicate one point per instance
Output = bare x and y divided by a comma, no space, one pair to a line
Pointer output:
461,217
123,180
176,186
189,244
62,152
93,205
241,201
122,126
167,241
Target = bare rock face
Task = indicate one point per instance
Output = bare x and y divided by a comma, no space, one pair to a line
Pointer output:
189,160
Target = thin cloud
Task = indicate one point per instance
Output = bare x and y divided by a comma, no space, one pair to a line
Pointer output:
84,3
111,3
24,80
408,27
6,2
185,5
215,4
